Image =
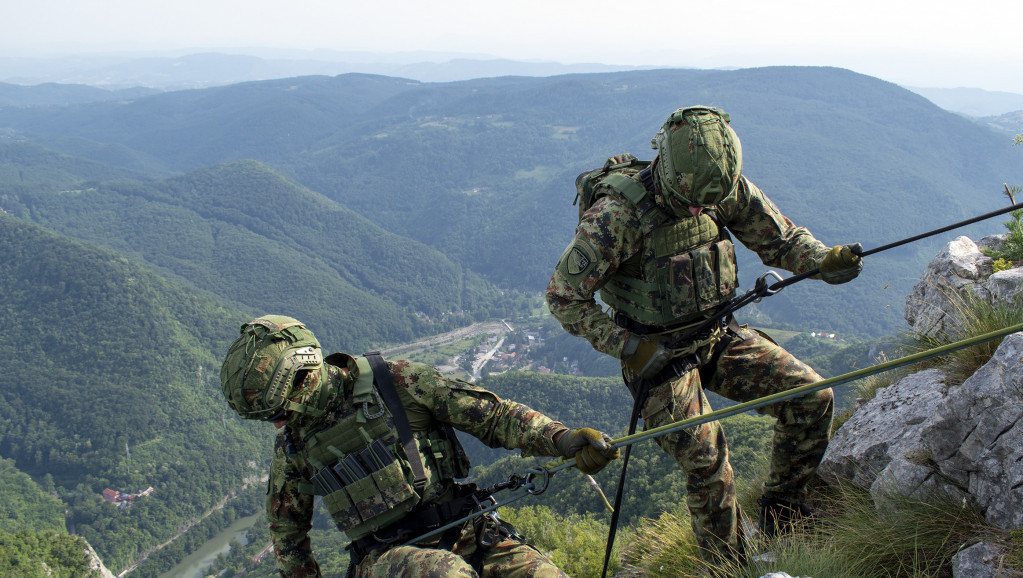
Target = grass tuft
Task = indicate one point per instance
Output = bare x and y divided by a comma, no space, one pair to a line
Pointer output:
972,316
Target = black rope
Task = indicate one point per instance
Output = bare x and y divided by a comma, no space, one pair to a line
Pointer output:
620,490
795,278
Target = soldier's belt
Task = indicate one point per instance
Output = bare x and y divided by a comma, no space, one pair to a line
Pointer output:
422,519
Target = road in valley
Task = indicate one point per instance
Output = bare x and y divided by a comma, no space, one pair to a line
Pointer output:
499,328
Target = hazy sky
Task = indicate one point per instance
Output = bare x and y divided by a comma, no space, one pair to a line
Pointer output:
930,43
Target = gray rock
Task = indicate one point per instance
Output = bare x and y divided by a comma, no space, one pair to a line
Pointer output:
1005,285
975,436
915,477
95,563
920,437
931,306
978,561
994,242
882,429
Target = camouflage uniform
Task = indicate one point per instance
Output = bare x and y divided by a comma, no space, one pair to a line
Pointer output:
430,402
609,234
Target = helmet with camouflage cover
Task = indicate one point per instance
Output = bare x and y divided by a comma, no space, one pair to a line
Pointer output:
275,366
699,158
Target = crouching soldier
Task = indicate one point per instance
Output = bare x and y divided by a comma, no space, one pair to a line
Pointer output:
376,440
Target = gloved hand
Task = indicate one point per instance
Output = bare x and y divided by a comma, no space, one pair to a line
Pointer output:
647,357
591,449
841,264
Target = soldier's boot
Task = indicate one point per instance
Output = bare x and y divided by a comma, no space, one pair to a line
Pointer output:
779,517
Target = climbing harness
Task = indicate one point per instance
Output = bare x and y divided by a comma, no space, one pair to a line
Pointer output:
524,486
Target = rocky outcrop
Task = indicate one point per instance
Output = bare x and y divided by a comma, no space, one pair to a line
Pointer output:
921,436
975,437
978,561
95,563
960,266
883,429
930,307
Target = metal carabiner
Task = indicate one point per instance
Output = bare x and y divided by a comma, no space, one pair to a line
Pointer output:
530,474
763,289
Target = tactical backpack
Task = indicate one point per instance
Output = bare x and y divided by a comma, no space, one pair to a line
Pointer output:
615,174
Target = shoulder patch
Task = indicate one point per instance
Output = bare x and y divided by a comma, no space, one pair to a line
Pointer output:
578,258
577,261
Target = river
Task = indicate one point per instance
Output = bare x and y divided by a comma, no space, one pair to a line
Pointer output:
197,562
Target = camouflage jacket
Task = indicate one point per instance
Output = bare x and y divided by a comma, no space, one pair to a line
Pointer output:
430,400
611,231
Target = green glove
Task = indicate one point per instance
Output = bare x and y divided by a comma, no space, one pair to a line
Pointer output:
644,357
842,263
591,449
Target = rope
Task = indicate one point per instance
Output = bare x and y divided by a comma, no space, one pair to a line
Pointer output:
528,487
782,284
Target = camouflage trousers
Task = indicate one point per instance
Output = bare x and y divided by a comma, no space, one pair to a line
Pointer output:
752,366
507,558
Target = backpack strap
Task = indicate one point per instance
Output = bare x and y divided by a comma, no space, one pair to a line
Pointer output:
627,186
385,383
640,194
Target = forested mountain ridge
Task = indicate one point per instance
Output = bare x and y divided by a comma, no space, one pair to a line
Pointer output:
110,382
245,233
482,170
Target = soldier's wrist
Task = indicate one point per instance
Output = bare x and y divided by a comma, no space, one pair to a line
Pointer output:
554,431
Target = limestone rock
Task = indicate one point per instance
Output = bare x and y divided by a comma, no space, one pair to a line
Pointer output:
975,436
921,436
978,561
959,265
95,563
882,429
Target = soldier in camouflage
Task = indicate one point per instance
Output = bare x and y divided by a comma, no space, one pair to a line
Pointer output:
656,242
375,439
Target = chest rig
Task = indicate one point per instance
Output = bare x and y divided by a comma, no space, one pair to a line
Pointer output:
685,268
370,467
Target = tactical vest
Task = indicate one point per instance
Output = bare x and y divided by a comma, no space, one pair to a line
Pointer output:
362,470
684,270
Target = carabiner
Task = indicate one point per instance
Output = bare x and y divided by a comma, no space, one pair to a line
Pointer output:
530,474
763,289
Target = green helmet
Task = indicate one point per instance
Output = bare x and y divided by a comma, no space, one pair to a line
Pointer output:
259,374
699,158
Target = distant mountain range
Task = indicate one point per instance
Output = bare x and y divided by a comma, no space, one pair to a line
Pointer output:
973,101
206,69
175,71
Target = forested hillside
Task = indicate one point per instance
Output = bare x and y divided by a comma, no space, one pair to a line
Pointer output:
25,505
243,232
482,170
111,383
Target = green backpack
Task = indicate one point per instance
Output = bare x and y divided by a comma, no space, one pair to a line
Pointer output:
614,174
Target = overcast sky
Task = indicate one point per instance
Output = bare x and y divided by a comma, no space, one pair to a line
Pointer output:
924,43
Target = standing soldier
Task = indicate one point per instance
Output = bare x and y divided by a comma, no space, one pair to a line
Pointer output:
656,242
375,439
